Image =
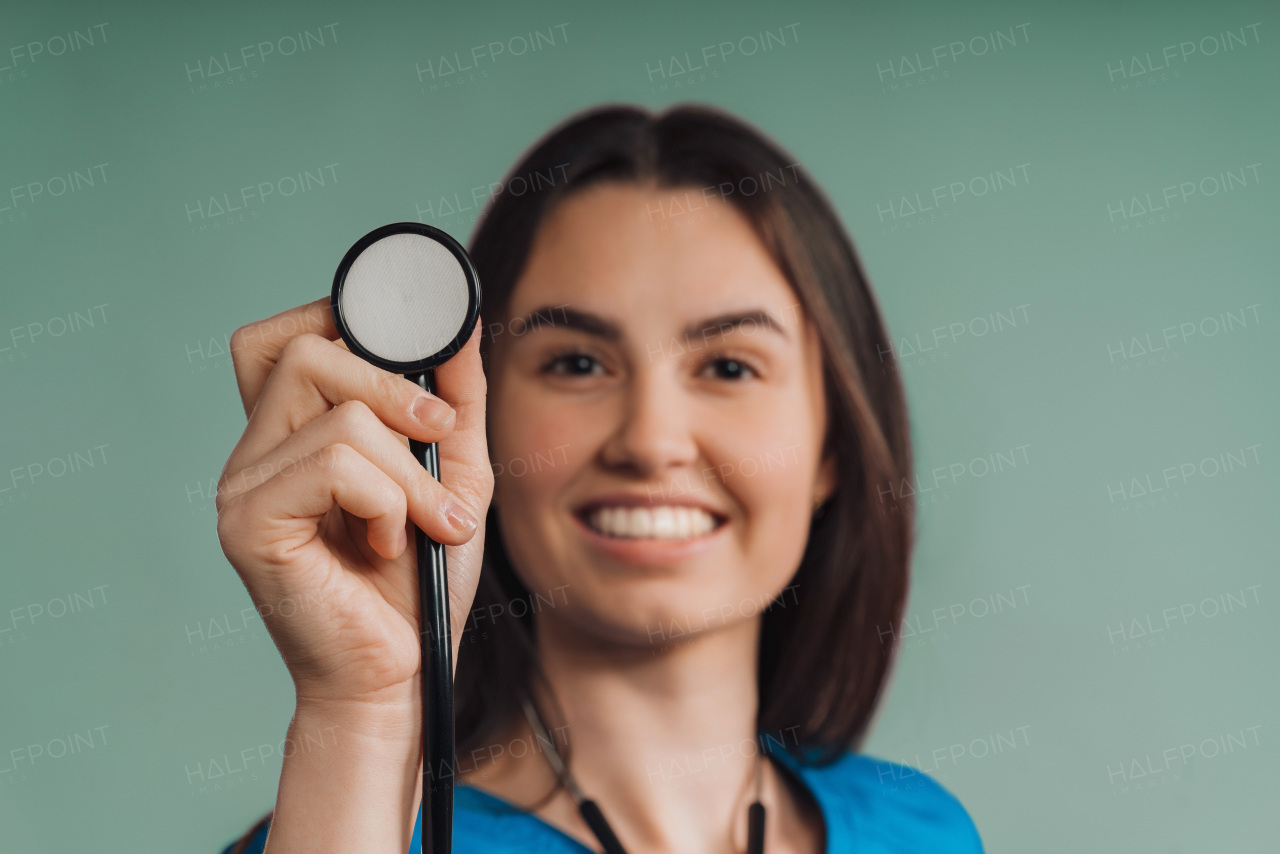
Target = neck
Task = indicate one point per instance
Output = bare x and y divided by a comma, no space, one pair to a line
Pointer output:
636,706
663,740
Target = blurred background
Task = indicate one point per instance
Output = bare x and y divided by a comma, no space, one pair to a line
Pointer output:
1069,214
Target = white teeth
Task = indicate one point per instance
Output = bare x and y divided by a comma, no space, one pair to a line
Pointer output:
661,523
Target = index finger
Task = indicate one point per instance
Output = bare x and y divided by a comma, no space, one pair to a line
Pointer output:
256,347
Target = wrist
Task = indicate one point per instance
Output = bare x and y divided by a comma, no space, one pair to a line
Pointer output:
351,779
384,720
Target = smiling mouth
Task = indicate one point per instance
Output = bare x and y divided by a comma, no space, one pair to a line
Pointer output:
662,522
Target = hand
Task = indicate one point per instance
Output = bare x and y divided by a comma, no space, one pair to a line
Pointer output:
316,499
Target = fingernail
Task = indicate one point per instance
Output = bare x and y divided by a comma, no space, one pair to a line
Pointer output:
432,413
459,519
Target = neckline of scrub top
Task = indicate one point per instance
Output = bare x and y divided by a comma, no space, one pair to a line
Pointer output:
835,832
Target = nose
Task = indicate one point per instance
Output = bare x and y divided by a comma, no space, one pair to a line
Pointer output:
654,430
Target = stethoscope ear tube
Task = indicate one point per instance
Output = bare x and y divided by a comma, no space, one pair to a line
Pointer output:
595,820
437,668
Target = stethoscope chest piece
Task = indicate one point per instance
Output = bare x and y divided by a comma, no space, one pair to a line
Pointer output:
406,297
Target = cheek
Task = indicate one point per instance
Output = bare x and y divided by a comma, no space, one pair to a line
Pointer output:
531,445
526,482
767,465
536,452
766,460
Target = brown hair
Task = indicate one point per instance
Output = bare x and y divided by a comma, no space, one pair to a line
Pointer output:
823,658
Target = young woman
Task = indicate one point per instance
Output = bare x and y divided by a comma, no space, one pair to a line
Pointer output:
665,453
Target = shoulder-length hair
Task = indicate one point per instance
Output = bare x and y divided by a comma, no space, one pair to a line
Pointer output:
827,647
824,655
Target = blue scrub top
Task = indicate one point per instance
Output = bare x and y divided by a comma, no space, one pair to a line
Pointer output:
870,806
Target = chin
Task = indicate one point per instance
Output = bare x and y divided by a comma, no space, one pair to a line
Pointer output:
654,615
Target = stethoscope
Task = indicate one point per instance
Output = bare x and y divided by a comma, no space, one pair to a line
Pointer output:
406,298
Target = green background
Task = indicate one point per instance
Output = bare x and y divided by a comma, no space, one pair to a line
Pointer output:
1074,698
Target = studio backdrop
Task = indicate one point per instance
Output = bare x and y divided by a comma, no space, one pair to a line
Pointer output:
1069,215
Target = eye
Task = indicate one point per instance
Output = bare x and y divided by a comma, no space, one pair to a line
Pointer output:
575,363
731,367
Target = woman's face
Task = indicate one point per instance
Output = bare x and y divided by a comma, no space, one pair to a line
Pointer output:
616,406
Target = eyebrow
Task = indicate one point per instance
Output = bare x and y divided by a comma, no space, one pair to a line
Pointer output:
594,324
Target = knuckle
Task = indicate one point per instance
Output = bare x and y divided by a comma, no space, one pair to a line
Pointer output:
479,479
300,347
389,386
335,457
484,481
227,493
228,519
428,489
389,496
242,351
354,417
396,501
240,341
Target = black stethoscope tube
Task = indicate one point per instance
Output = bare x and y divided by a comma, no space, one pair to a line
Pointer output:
437,668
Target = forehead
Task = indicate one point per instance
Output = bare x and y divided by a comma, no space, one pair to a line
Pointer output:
635,249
